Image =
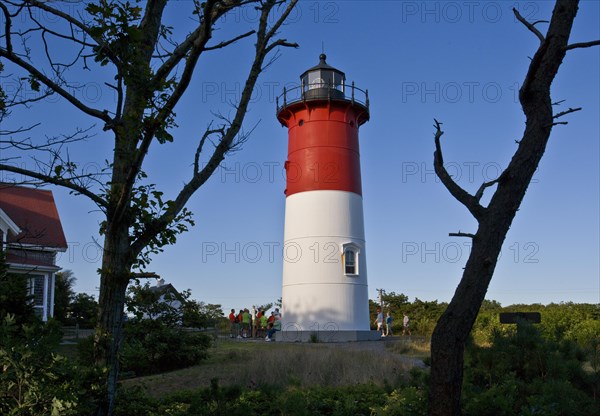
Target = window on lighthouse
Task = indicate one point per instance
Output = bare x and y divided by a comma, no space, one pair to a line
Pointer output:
350,262
350,259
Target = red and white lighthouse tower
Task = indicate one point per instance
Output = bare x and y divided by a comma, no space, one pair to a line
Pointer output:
325,271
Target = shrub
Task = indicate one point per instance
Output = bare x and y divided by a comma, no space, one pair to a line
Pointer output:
409,401
14,296
152,347
266,400
526,374
34,381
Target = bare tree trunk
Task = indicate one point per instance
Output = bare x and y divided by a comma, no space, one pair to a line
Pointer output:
453,328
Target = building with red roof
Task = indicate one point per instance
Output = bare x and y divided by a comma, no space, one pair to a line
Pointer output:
31,234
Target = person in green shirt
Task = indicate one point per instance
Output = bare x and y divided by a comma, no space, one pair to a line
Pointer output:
246,320
263,324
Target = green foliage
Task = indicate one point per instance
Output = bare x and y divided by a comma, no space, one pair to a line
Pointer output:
524,373
34,381
115,22
83,311
409,401
155,340
423,314
171,307
518,372
63,295
3,97
14,297
265,400
164,305
201,315
147,206
265,307
152,347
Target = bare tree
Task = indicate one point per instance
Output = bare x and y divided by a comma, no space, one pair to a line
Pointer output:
150,71
494,220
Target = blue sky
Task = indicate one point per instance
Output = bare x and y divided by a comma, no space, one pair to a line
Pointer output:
460,62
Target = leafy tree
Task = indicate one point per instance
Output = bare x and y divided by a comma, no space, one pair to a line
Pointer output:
494,220
201,315
149,69
83,310
265,307
145,303
393,301
63,294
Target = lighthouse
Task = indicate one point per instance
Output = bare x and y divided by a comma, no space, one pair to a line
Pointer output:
324,292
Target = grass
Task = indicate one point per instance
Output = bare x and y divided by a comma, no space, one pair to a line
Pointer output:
254,363
415,347
68,350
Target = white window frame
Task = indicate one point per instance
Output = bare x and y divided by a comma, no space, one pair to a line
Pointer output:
355,249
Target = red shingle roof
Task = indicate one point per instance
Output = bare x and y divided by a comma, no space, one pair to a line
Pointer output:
35,213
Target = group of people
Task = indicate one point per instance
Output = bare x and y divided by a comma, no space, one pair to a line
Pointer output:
379,321
254,324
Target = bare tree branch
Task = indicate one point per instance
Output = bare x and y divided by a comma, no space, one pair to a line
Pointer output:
206,134
195,49
227,140
65,183
229,42
540,21
180,52
485,185
26,144
17,131
528,25
570,110
7,27
74,22
468,200
562,113
582,45
461,234
102,115
282,42
14,101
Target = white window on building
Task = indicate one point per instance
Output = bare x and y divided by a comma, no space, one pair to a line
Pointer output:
350,257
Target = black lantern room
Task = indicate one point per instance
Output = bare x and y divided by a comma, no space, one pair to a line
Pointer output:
322,81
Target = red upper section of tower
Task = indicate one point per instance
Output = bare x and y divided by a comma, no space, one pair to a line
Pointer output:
323,149
323,116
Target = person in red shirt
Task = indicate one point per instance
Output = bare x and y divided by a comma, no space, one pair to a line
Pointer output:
234,326
256,323
240,318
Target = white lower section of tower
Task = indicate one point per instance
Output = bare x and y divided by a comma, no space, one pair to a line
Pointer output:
323,290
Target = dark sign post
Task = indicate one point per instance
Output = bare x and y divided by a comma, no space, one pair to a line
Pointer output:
515,317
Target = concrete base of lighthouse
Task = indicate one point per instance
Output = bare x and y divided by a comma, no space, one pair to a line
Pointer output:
327,336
